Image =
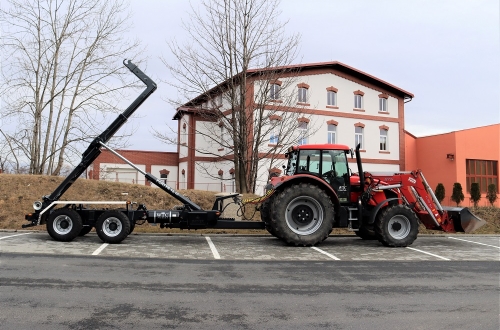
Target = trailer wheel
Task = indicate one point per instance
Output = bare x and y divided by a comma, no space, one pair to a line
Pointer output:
64,224
366,233
132,227
265,216
302,215
112,227
397,226
85,230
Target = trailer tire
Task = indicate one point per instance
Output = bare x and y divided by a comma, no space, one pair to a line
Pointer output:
85,230
132,227
397,226
64,225
302,215
366,233
112,227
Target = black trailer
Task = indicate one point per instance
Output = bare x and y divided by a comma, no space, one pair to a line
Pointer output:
112,226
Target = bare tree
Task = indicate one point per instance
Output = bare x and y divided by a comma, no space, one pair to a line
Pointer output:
62,73
238,52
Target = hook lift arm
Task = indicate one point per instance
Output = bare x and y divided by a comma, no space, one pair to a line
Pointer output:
94,149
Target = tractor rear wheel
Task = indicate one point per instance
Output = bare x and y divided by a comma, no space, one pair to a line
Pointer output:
302,215
112,227
64,224
265,216
397,226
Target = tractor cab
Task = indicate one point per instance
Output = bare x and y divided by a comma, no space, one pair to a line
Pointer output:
326,161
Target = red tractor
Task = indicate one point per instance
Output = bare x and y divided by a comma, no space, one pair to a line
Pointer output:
318,192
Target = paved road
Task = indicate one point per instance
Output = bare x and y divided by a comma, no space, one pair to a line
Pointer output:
176,282
459,248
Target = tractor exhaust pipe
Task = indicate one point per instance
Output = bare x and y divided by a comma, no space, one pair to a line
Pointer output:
463,219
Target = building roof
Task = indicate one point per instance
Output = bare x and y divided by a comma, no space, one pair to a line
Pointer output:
301,68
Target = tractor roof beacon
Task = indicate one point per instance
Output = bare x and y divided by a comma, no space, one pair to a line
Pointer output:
317,193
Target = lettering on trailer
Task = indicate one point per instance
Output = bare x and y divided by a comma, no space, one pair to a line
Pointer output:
167,187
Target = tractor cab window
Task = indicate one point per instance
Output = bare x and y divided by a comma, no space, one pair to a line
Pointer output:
309,162
335,170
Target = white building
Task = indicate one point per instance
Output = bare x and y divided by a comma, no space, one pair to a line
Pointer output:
343,106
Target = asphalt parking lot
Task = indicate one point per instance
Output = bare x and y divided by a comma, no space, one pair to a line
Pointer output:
210,247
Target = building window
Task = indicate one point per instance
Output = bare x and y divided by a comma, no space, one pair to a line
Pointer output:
302,97
302,128
358,136
331,98
183,133
222,132
382,104
484,172
358,101
274,92
274,136
383,139
332,134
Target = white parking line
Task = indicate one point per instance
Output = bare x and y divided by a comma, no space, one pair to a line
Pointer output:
99,250
497,247
14,235
325,253
431,254
212,247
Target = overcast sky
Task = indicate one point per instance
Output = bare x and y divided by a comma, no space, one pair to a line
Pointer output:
445,52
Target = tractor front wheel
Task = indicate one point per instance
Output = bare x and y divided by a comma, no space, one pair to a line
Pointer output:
397,226
302,215
366,233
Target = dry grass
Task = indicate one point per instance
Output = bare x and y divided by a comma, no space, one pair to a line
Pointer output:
18,192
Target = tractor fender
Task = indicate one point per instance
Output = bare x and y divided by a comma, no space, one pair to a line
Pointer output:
280,183
378,207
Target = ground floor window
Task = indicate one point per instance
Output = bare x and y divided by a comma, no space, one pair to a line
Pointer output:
484,172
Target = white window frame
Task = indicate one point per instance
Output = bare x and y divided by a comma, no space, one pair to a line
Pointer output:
384,139
302,129
302,95
382,104
358,136
358,101
332,134
274,92
331,98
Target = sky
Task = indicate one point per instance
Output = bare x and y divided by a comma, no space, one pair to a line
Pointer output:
445,52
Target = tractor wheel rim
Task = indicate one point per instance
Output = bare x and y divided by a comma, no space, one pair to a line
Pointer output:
399,227
62,224
304,215
112,227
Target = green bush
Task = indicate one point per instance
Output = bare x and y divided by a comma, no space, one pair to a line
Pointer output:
458,195
492,194
440,192
475,193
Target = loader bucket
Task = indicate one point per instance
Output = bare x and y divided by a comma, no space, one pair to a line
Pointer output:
464,220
